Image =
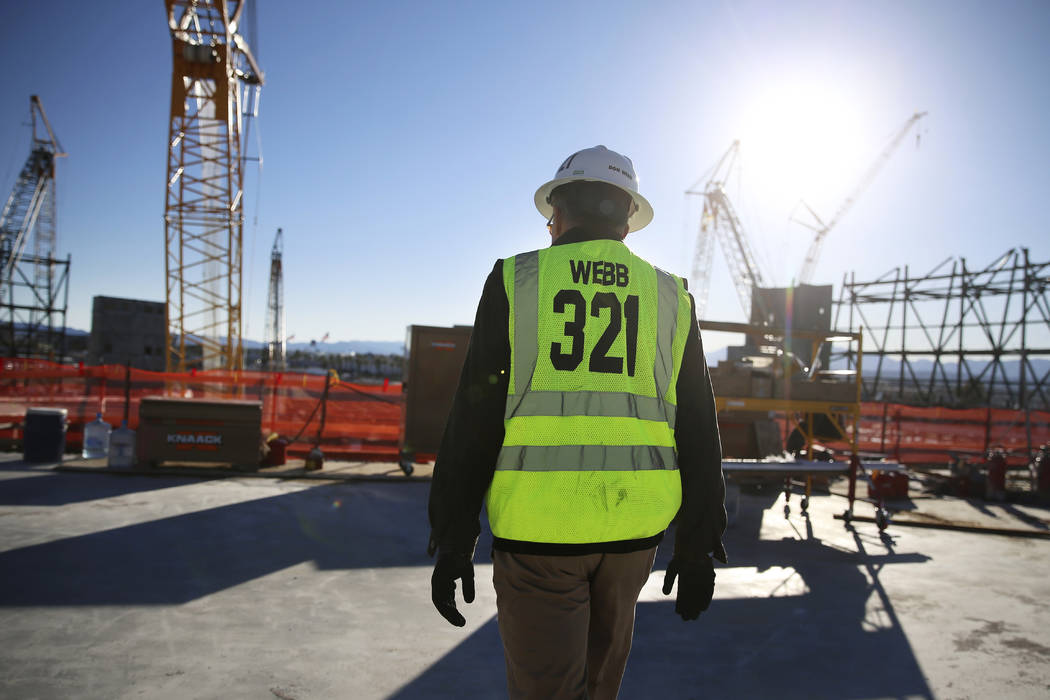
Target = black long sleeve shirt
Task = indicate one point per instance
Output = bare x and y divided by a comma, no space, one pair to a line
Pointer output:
473,437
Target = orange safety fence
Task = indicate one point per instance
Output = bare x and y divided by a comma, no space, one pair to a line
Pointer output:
361,421
933,434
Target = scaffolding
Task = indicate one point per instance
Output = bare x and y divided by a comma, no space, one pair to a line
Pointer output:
34,285
957,337
799,398
214,94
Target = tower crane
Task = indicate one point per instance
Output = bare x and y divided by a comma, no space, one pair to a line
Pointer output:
215,88
809,265
33,284
720,222
274,352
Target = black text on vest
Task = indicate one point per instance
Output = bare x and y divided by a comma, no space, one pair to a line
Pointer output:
599,272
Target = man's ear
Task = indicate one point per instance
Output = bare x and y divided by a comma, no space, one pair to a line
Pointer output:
554,223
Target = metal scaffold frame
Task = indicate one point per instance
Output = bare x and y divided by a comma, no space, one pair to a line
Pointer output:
34,286
215,88
956,336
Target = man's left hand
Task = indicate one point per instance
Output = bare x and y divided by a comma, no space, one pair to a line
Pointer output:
696,585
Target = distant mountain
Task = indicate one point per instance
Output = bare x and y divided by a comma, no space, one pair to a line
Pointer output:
69,331
924,368
341,347
345,347
716,356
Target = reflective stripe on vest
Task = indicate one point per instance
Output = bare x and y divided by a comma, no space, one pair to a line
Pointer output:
586,457
590,403
668,307
523,329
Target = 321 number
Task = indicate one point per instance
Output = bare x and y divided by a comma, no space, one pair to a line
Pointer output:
599,361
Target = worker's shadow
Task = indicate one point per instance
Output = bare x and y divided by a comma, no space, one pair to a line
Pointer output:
836,637
473,669
821,643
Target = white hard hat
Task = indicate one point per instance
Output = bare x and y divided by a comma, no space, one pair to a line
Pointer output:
598,164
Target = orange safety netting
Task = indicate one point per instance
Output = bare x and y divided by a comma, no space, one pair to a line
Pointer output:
932,434
913,434
361,421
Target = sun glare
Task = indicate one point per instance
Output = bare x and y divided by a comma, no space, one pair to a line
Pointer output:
802,141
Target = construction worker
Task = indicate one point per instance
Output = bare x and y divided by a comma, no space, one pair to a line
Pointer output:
585,420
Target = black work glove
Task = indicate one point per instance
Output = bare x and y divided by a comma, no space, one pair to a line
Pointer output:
448,568
696,585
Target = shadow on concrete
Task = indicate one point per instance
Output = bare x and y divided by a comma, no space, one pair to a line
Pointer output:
474,669
1030,520
11,463
810,646
981,507
839,639
900,505
59,489
177,559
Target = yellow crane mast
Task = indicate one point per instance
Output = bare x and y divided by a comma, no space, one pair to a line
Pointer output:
214,91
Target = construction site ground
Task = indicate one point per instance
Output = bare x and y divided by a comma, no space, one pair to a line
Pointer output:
212,583
292,469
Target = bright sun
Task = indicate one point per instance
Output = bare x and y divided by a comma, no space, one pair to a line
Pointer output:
803,140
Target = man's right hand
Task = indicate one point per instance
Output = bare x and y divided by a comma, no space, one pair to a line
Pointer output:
448,568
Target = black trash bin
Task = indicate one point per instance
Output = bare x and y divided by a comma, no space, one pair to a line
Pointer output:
45,435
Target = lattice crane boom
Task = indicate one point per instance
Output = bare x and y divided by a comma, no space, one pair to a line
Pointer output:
215,85
702,262
735,246
33,285
809,265
720,222
31,198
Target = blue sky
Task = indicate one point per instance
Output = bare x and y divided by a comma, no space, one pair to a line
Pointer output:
403,141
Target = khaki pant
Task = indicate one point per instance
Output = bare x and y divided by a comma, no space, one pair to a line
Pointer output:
567,621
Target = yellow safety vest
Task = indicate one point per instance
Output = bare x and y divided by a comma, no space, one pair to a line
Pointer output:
597,337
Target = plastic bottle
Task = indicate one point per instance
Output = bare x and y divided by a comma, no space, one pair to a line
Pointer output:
96,438
122,447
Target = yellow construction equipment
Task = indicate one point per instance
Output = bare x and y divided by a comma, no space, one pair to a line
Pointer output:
214,93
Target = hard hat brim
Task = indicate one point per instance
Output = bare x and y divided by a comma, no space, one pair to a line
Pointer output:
641,218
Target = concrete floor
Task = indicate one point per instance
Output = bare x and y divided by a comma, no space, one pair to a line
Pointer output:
131,586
